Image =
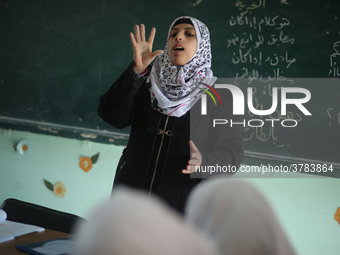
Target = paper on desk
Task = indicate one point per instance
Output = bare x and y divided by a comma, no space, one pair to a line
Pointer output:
3,215
10,229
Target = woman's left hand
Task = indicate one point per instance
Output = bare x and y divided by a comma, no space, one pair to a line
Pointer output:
195,159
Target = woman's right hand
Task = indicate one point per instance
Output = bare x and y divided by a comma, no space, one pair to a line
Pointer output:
142,49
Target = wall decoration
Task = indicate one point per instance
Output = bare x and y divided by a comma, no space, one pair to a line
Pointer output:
58,188
21,147
86,163
337,215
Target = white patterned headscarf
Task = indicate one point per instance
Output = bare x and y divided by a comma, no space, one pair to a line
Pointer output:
175,89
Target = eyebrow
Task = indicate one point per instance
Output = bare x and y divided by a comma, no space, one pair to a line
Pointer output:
184,28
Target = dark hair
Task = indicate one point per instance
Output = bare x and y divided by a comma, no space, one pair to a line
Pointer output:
181,21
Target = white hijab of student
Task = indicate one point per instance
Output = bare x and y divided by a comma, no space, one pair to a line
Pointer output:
133,223
238,217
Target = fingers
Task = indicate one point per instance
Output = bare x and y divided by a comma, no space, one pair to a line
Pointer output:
142,49
152,35
142,32
192,146
186,171
137,33
192,167
156,53
195,159
133,40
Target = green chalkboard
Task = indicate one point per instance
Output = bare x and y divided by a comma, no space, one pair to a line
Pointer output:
58,57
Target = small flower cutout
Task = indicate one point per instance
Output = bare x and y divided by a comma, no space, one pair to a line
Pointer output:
21,147
86,163
58,188
337,215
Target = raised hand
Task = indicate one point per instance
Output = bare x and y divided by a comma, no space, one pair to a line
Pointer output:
142,49
195,159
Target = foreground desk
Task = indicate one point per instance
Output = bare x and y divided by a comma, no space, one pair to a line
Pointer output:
9,247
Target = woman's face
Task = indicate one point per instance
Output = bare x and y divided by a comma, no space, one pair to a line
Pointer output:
182,44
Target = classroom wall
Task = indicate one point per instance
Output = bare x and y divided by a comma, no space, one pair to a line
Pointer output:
304,204
56,159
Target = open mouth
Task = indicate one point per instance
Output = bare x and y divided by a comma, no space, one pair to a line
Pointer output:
179,48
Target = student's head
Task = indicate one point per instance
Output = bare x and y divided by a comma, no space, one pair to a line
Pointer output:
187,36
134,223
238,217
182,42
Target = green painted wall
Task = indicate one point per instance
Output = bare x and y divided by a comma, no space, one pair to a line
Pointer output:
56,159
305,206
